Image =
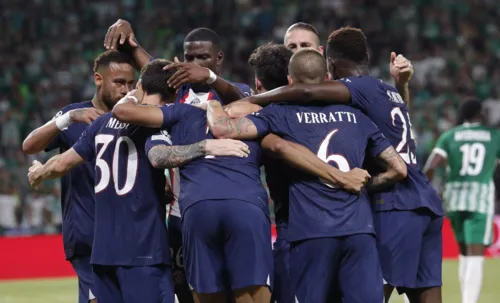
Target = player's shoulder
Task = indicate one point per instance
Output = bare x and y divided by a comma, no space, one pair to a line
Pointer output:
244,87
77,105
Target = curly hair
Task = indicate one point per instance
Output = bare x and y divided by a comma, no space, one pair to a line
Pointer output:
348,43
270,63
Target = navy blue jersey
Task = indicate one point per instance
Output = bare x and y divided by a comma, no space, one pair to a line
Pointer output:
130,207
198,93
383,104
212,178
339,135
77,192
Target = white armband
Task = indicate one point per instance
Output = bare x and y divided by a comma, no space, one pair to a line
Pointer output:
62,122
211,79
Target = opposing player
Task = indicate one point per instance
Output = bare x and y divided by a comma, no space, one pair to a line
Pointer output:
331,230
130,258
470,150
412,208
113,77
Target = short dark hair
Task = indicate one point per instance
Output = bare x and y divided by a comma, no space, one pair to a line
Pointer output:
154,79
304,26
112,56
348,43
469,110
270,63
203,34
308,66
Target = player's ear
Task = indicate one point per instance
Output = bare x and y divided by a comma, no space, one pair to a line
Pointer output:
321,49
290,80
220,58
258,84
98,79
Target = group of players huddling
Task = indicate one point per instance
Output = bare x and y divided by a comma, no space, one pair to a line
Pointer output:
355,216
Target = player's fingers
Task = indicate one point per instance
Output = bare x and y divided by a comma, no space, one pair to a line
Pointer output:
176,75
402,64
106,38
99,111
406,70
115,39
393,57
174,65
123,37
184,78
111,35
131,40
176,60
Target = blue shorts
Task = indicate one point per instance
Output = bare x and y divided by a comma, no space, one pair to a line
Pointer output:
182,290
410,247
83,270
282,286
145,284
227,245
341,269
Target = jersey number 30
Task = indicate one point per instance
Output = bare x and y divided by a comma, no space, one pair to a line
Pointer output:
106,173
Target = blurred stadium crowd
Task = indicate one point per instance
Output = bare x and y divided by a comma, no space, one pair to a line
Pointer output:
48,46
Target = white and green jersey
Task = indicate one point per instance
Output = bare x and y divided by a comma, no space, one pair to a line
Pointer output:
472,151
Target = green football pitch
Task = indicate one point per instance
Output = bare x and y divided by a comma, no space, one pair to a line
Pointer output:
64,290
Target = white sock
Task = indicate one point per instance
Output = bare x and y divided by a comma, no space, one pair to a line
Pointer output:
473,279
462,267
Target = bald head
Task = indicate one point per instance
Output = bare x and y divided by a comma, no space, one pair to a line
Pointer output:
307,66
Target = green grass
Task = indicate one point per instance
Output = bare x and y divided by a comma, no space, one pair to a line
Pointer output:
65,290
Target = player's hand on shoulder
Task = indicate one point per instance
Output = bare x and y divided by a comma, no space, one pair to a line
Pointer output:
85,115
241,108
186,73
226,147
33,174
401,68
119,33
355,179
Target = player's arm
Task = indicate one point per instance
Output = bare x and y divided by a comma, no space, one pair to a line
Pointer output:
166,156
56,167
241,109
401,70
394,170
302,158
331,92
437,158
128,111
42,137
193,73
222,126
121,35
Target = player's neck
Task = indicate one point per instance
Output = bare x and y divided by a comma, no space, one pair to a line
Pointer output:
99,104
152,100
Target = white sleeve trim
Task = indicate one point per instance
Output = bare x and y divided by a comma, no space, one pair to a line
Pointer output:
161,138
440,152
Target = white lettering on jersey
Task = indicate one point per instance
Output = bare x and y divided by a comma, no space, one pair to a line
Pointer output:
318,118
115,124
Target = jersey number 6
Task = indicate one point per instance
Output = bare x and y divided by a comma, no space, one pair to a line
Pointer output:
339,160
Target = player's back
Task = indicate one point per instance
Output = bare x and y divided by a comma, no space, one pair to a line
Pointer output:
472,150
339,135
130,197
385,107
77,191
213,178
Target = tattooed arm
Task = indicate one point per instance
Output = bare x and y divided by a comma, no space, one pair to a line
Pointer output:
222,126
395,170
166,156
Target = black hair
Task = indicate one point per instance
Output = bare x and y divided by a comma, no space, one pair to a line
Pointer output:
112,56
469,110
348,43
270,63
203,34
154,79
